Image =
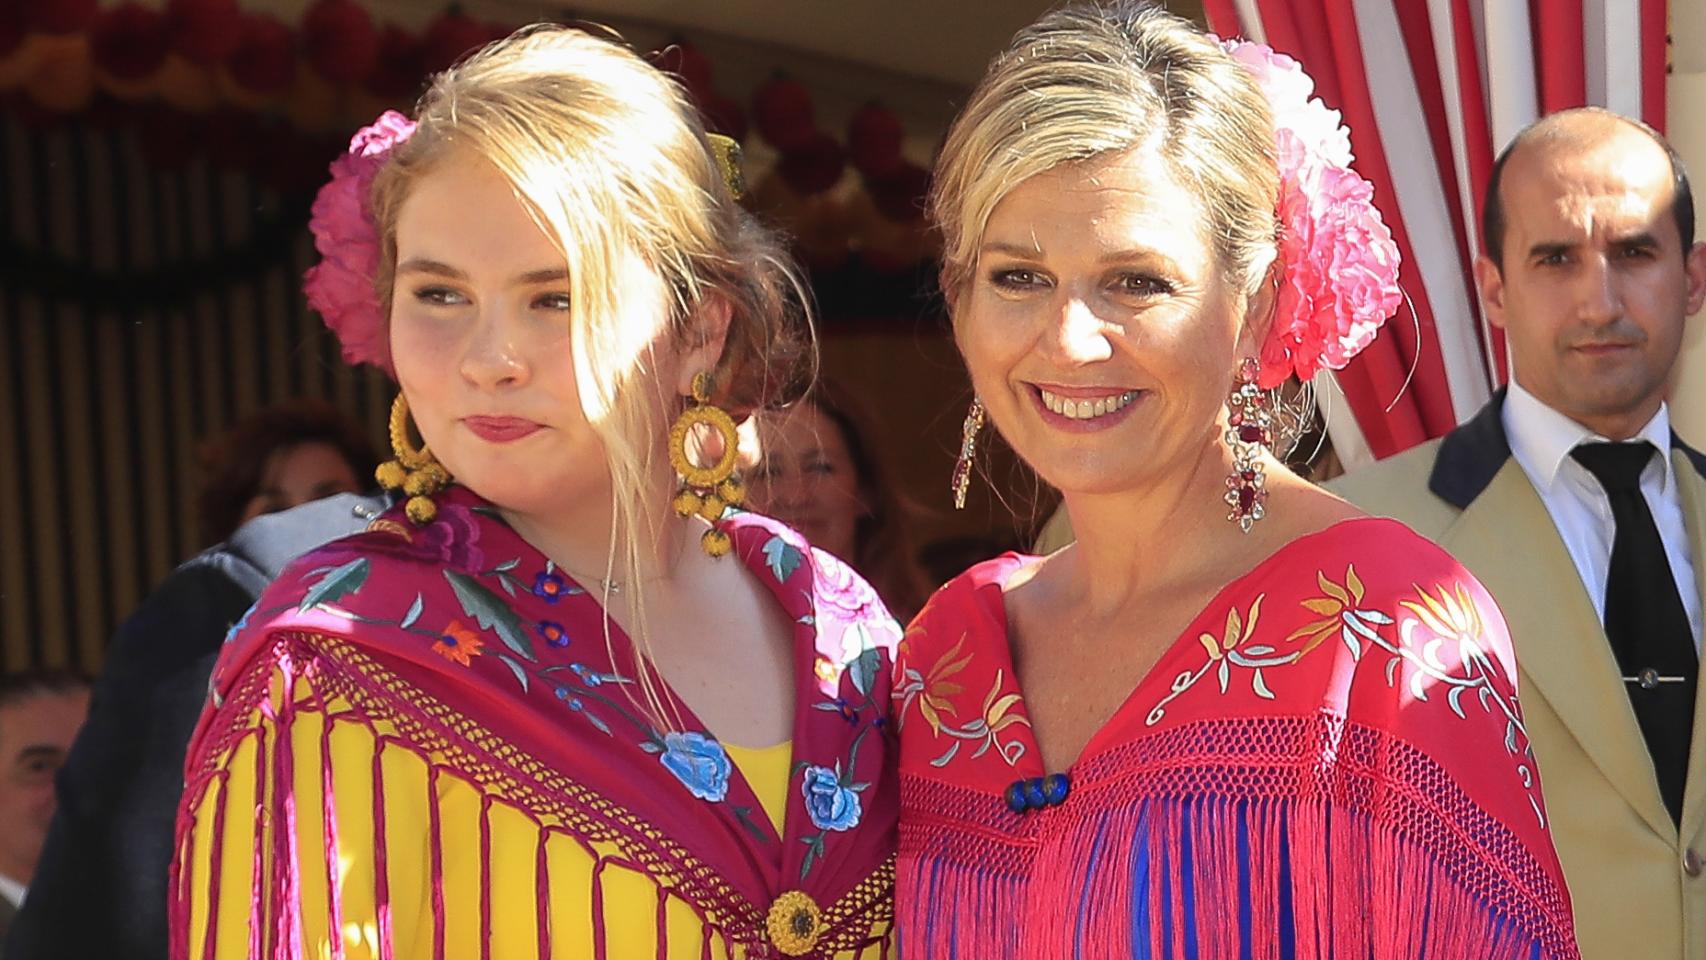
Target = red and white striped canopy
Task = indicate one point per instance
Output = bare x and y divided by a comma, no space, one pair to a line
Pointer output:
1431,91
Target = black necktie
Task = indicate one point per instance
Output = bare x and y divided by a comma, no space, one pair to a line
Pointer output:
1644,618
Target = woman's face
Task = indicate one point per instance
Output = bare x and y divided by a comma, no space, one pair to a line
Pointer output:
300,473
805,478
1097,325
480,338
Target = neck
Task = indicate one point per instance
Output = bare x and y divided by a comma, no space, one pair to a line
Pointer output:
577,535
1617,425
1131,541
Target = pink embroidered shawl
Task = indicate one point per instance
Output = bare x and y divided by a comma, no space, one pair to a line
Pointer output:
1329,762
485,659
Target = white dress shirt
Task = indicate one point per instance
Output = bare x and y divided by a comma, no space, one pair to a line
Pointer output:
1541,439
11,890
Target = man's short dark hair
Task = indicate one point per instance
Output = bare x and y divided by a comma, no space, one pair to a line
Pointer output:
29,684
1493,211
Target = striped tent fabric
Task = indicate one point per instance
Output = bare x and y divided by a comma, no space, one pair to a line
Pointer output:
1432,90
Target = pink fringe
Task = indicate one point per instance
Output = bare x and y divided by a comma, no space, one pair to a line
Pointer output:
435,839
486,876
286,878
381,873
1356,890
329,814
542,893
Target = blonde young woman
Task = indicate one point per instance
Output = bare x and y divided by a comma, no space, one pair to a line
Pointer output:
557,703
1236,718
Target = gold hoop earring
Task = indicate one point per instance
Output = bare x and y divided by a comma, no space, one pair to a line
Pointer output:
706,491
414,471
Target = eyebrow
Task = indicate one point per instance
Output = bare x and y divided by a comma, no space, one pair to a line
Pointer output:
1642,239
441,269
1011,249
35,751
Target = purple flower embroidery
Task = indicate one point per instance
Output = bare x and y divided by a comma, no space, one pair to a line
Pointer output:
550,587
699,763
831,804
552,633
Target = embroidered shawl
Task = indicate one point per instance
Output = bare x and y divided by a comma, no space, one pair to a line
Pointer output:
459,646
1329,761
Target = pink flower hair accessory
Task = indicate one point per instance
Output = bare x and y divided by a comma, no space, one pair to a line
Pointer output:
1340,263
340,286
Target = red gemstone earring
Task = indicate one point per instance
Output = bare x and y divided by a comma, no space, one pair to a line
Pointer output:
1249,433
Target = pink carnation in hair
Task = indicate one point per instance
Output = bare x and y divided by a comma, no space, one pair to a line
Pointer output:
1340,263
340,287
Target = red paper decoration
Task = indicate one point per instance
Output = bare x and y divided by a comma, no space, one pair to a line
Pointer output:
340,40
205,32
450,37
782,111
265,59
130,42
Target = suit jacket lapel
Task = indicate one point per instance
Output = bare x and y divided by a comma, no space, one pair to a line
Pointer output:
1559,643
1691,493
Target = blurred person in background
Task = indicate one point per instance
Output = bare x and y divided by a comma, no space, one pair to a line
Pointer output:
100,888
40,713
815,466
277,458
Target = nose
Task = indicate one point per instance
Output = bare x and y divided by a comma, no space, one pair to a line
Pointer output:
1599,299
1076,335
492,359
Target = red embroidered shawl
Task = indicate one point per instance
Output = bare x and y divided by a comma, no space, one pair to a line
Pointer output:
473,651
1329,761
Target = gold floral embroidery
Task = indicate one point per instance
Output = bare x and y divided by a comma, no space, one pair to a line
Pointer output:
1430,621
1339,609
932,692
1232,648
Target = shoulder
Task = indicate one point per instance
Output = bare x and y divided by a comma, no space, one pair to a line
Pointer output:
848,615
1388,558
374,590
967,612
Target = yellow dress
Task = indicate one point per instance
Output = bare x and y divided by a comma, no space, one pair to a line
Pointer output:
630,897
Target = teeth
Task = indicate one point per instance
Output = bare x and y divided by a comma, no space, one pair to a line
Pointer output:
1088,409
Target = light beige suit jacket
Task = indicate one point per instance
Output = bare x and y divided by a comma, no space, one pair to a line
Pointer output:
1636,881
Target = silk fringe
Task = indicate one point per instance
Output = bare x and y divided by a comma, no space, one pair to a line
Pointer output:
1206,879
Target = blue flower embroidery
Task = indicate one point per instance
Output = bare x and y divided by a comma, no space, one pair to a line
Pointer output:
699,763
832,805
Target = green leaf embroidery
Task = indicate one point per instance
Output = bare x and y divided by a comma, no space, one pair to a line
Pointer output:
815,844
782,558
491,613
413,614
515,668
864,670
336,584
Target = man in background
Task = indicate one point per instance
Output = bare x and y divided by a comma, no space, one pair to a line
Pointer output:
40,714
100,889
1570,498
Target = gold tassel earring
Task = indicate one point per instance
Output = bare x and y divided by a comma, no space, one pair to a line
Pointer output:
414,471
706,491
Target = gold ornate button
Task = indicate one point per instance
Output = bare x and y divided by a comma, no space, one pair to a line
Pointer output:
794,923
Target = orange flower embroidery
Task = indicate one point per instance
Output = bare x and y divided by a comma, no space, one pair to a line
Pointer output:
458,644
